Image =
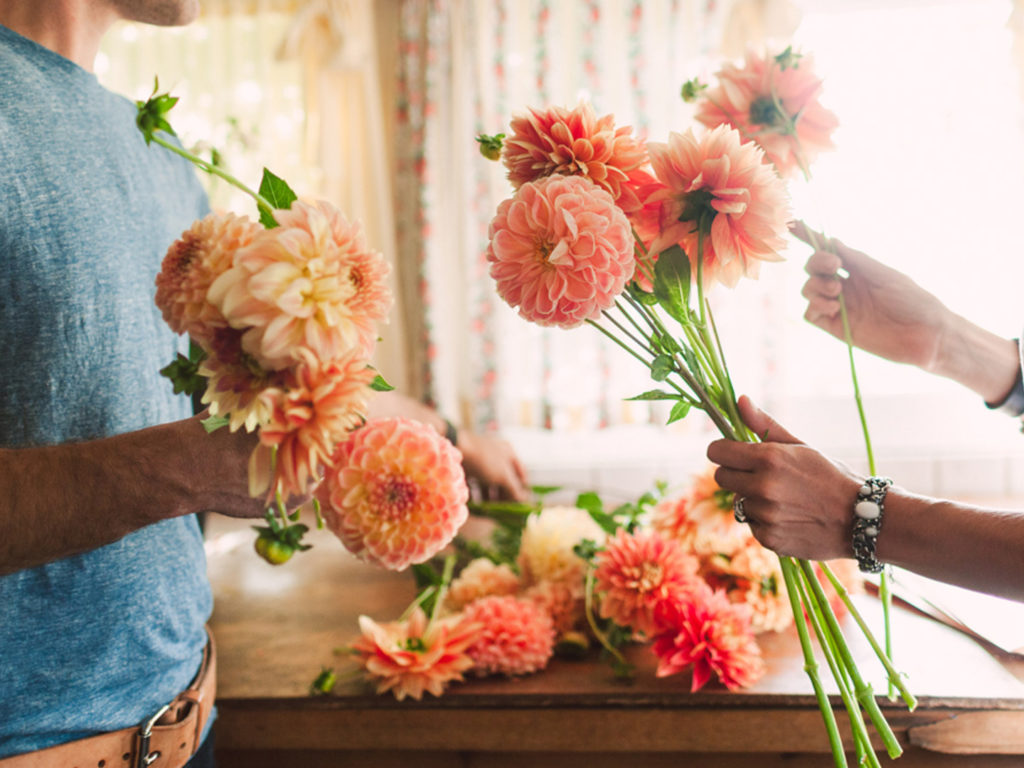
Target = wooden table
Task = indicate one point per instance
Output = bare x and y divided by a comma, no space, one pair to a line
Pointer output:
276,627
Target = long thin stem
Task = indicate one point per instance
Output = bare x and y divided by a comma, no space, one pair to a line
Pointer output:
811,665
865,694
588,609
213,170
839,673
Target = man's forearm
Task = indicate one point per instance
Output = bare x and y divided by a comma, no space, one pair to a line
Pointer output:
61,500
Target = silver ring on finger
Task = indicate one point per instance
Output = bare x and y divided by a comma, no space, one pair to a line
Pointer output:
737,509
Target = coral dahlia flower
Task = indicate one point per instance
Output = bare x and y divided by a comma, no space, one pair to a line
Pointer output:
706,630
702,520
396,492
636,572
752,576
546,548
309,283
773,100
560,251
480,578
411,657
575,142
561,602
517,637
313,412
202,253
719,186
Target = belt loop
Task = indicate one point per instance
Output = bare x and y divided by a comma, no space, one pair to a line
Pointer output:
143,757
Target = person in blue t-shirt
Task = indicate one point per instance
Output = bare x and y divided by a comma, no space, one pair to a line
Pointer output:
103,591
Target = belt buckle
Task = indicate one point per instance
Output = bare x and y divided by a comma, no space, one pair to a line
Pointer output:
144,757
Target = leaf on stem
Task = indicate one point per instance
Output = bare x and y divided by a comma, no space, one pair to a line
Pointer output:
661,367
276,192
654,394
679,411
213,423
672,283
379,384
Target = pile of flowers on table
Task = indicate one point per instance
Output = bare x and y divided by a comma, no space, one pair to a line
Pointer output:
676,574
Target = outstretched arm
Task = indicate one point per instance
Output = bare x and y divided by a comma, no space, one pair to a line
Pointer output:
893,317
800,503
61,500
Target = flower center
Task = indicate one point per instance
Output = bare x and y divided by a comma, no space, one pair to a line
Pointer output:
414,644
394,497
649,578
764,111
697,208
543,252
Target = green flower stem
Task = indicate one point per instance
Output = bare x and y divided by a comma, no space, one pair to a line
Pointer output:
421,598
213,170
895,678
884,587
641,343
839,673
318,514
789,574
714,343
588,608
442,592
865,694
700,271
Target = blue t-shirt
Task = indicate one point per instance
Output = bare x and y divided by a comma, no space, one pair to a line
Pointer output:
98,641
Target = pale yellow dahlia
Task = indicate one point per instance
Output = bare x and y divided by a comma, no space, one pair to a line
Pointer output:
546,550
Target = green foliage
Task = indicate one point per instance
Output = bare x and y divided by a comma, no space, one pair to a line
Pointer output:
692,89
679,411
184,371
654,394
151,115
212,423
275,191
490,146
661,367
672,283
379,384
324,682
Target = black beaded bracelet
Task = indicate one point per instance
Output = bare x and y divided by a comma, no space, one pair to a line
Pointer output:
868,512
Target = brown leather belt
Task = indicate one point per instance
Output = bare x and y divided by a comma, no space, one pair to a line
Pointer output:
168,739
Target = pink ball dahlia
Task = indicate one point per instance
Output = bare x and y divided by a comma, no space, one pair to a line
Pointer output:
202,253
309,283
410,657
704,629
480,578
309,415
637,572
517,636
396,492
720,186
574,142
773,100
561,251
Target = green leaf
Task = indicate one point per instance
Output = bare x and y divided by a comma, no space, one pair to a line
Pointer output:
661,367
640,295
276,192
590,501
672,283
380,385
426,575
679,410
151,114
213,423
540,491
586,549
654,394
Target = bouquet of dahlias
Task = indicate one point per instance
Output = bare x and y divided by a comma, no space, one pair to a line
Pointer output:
282,314
627,238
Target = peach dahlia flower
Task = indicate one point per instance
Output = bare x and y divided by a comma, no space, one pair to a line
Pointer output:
638,571
560,251
775,105
202,253
517,638
721,186
309,415
575,142
411,657
396,492
309,283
